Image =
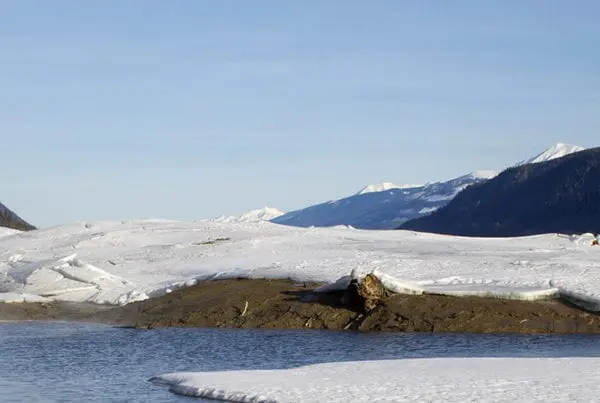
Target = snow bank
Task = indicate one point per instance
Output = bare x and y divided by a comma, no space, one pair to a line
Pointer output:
438,379
390,283
503,292
455,287
122,262
13,297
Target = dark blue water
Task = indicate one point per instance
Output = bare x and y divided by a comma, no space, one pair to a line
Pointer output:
67,362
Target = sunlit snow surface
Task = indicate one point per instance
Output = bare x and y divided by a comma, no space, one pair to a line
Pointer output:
414,380
121,262
7,231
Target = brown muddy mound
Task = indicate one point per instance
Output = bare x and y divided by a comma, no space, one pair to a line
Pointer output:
284,304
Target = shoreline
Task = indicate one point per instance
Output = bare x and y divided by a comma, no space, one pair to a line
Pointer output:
286,304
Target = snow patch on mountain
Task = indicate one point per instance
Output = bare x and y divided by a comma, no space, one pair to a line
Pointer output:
556,151
380,187
258,215
427,210
482,174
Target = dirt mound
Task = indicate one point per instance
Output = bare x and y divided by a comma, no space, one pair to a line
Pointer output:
284,304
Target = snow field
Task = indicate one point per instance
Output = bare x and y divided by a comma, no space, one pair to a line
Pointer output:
122,262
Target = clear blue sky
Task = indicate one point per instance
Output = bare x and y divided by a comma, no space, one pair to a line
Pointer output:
189,109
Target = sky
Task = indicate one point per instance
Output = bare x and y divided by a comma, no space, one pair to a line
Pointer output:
188,109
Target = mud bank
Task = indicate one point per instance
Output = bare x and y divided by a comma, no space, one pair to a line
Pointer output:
284,304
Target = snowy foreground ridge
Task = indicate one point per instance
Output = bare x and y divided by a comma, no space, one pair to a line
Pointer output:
414,380
122,262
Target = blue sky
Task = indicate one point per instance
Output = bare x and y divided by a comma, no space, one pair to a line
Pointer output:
189,109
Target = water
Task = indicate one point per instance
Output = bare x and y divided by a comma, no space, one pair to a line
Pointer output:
67,362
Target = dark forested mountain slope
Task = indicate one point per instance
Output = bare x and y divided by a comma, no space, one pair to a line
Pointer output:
10,220
561,195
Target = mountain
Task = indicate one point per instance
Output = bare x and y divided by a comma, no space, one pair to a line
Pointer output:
557,196
381,210
9,219
388,209
264,214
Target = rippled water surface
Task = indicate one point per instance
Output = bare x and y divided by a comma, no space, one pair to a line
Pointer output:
72,362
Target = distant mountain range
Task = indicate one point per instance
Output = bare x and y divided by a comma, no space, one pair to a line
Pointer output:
387,206
9,219
264,214
556,195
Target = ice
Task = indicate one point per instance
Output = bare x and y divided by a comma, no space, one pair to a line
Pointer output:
122,262
423,380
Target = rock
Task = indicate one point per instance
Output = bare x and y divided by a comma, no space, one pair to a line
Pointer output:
364,296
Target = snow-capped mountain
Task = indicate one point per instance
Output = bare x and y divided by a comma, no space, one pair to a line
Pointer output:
390,208
556,151
380,187
382,210
264,214
9,219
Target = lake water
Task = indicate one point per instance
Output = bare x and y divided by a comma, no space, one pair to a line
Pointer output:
73,362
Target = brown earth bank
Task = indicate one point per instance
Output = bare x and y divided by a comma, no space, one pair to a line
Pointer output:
284,304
